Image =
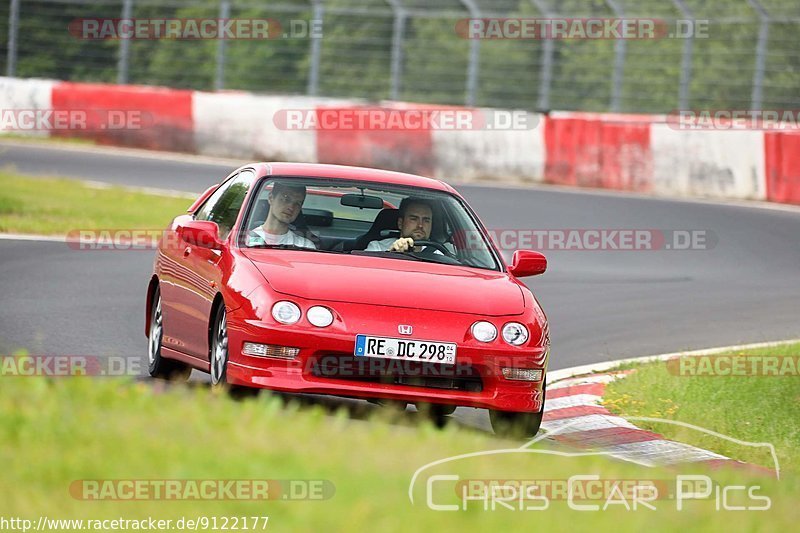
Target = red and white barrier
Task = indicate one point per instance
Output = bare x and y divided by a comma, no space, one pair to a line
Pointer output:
643,153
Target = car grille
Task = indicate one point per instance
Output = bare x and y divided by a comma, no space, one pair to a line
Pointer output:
458,377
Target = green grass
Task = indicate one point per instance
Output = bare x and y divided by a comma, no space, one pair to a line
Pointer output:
61,430
36,139
57,206
751,408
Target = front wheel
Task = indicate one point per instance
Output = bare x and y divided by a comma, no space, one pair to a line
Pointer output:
510,424
158,366
219,348
436,412
219,357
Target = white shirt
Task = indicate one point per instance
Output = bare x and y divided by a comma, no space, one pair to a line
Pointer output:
259,236
383,245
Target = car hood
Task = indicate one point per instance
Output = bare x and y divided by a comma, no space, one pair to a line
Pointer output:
388,282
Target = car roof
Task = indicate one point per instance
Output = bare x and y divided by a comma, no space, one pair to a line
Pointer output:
317,170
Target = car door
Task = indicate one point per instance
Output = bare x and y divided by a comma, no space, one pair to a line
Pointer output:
201,269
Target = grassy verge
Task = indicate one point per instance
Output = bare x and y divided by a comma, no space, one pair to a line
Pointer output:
46,139
749,408
58,431
56,206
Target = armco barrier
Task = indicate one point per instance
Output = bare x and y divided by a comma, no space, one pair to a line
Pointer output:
163,118
603,151
396,149
622,152
31,94
516,155
702,163
782,154
242,125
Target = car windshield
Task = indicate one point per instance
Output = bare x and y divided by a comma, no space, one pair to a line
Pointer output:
323,216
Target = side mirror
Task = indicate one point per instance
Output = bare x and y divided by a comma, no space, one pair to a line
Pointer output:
201,233
527,263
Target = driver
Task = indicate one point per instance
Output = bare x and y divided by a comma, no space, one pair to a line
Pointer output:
415,222
285,204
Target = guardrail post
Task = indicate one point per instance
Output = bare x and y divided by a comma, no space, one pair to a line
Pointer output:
546,69
473,66
757,98
13,26
317,14
686,57
620,49
398,31
124,46
219,73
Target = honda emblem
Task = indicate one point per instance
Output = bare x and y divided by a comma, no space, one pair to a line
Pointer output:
404,329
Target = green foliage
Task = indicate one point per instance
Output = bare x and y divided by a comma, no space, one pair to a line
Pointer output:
57,432
357,46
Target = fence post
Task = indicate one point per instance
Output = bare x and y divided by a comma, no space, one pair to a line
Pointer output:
761,53
546,69
13,25
219,74
686,57
474,55
317,13
398,30
124,46
620,48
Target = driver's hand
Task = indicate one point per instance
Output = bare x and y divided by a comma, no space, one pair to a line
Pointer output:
402,245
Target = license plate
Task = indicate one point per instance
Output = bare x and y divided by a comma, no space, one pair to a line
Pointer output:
405,349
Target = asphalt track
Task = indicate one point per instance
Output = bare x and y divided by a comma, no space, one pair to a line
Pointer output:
602,305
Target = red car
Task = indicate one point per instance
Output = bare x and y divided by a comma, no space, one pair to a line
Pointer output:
352,282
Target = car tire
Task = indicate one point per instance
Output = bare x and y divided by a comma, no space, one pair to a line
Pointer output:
436,412
218,357
517,425
159,366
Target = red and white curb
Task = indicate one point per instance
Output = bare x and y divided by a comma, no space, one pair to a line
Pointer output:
575,417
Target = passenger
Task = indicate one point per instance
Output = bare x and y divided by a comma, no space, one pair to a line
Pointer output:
285,205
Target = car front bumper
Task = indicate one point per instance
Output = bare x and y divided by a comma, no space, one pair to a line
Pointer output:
325,364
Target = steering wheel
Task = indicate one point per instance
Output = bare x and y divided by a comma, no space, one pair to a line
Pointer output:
431,246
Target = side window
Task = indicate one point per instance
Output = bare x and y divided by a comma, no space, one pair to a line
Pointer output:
223,206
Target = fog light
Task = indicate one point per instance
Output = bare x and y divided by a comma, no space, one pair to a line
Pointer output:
523,374
269,350
320,316
286,312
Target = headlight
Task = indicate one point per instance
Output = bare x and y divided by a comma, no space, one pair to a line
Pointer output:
484,331
286,312
320,316
515,333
